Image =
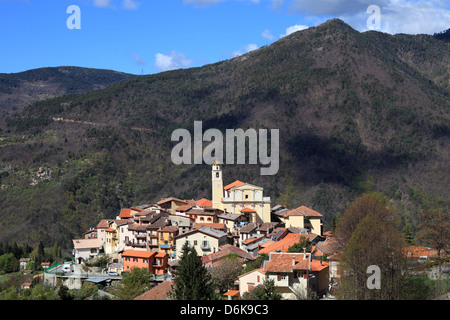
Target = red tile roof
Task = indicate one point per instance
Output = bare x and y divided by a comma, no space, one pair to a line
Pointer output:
417,252
304,211
157,293
125,213
234,184
284,244
247,210
231,293
204,203
184,208
138,254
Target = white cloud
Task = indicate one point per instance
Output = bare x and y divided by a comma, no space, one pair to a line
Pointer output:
202,3
102,3
175,60
130,4
267,35
245,49
137,58
293,29
405,16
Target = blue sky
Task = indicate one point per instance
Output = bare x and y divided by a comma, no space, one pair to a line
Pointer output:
150,36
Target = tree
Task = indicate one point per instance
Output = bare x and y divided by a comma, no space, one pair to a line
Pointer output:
56,252
257,263
264,291
9,263
357,211
226,272
408,234
303,245
192,281
374,243
435,229
134,283
64,293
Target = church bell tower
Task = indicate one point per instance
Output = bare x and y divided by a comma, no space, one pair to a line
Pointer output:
217,185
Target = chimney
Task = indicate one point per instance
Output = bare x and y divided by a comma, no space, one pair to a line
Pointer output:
293,260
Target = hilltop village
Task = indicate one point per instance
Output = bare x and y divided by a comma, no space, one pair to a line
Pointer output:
238,220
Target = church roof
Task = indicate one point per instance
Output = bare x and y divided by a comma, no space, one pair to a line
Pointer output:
234,184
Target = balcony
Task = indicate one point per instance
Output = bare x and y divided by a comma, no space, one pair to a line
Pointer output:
135,244
141,236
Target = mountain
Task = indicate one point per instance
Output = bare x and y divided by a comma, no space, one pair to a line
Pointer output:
20,89
357,112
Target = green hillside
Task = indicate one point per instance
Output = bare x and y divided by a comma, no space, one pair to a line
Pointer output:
356,112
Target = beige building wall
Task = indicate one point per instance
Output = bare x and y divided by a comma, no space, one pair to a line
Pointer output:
197,239
250,280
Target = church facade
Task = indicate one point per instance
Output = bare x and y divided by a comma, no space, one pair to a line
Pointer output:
239,197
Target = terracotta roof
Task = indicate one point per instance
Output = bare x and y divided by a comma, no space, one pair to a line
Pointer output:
219,226
231,293
317,265
234,184
169,229
304,211
158,292
138,254
417,252
183,208
104,223
125,213
282,245
254,270
201,212
286,262
162,255
247,210
327,247
110,230
204,203
225,251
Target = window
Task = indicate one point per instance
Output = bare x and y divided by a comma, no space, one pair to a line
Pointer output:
135,259
195,242
246,196
217,174
127,259
145,260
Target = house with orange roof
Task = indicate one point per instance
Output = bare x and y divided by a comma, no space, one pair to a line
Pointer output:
420,252
204,203
239,197
296,274
153,261
303,217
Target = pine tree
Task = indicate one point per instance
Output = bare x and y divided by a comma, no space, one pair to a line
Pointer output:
192,281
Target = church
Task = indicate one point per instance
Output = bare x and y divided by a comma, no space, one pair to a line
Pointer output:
239,197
